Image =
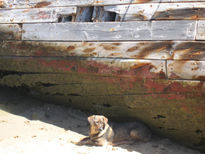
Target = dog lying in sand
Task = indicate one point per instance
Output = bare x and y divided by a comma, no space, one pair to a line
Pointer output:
101,133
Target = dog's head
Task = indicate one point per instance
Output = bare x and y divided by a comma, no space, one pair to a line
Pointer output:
97,124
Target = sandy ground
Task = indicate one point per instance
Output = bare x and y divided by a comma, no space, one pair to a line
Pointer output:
35,127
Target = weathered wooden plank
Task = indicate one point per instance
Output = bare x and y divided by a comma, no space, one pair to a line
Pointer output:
97,66
200,34
149,11
161,11
178,50
34,14
173,30
49,49
87,31
59,3
194,70
99,85
10,32
139,30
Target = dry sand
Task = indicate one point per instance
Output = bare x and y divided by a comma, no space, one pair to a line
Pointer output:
29,126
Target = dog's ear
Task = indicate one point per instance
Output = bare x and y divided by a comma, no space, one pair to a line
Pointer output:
91,120
105,120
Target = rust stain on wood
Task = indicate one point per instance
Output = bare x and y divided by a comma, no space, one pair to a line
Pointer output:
199,77
116,44
192,14
70,47
88,50
141,1
42,4
133,49
108,47
155,48
115,54
190,50
140,16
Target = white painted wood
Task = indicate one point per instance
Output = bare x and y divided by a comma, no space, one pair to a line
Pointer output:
141,30
34,14
159,11
194,70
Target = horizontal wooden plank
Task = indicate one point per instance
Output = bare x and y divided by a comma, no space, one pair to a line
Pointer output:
34,14
149,11
178,50
139,30
96,66
161,11
10,32
40,3
82,85
194,70
87,31
49,49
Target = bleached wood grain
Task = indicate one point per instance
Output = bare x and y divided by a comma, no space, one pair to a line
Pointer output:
141,30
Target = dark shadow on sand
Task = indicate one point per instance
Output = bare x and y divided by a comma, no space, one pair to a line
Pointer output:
19,103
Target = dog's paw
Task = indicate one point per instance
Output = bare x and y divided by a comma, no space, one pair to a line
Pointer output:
84,141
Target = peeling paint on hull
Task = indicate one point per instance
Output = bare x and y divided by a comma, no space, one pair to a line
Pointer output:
117,88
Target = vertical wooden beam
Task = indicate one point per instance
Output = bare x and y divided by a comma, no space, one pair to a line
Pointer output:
100,15
84,14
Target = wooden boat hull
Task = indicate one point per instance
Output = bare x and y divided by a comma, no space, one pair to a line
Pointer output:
141,59
148,90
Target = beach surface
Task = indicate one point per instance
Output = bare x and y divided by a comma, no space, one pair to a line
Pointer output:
31,126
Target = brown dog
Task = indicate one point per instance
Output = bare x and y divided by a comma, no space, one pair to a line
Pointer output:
101,133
